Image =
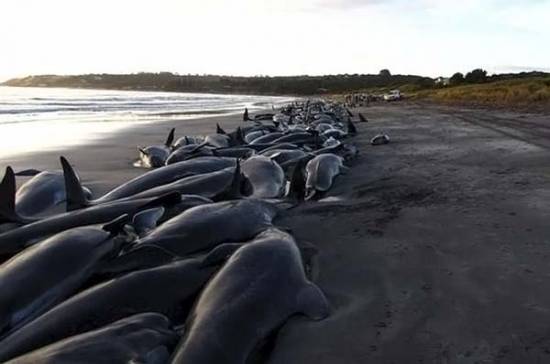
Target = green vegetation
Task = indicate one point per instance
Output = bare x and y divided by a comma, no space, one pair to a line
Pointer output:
510,92
165,81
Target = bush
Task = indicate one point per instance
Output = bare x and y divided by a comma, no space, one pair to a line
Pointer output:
457,79
476,76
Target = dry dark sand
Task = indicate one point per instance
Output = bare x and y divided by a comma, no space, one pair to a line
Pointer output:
434,249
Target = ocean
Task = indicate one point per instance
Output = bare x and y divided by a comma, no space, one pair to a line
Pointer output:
34,119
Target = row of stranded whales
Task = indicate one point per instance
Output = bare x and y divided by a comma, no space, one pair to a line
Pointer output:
182,264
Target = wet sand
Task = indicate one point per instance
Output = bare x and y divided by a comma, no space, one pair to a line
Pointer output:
433,249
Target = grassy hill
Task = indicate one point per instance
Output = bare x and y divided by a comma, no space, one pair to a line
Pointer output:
508,92
165,81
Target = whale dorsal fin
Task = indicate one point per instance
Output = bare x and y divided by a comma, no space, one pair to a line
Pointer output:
170,138
76,195
219,129
7,198
238,136
312,302
233,191
297,189
352,130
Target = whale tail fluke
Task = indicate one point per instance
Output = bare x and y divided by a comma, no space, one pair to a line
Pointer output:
76,194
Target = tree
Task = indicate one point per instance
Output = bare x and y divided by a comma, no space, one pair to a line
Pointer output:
457,79
476,76
385,73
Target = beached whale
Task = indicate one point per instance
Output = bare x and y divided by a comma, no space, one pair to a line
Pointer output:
299,138
146,338
283,155
40,193
223,184
43,191
160,176
206,226
268,138
40,277
13,241
266,177
189,151
187,140
234,152
320,173
249,137
335,133
155,156
286,146
169,289
380,139
256,291
218,140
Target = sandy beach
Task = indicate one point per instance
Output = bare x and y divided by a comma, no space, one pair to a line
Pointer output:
432,249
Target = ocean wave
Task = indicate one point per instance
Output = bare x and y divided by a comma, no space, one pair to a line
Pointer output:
21,105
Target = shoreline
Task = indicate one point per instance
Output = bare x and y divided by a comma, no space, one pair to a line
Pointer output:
213,92
94,160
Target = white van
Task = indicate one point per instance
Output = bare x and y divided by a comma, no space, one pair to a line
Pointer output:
393,95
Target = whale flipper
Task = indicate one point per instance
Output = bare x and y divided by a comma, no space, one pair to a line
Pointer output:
147,220
313,303
117,225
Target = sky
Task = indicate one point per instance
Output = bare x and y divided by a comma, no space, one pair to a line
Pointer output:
272,37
